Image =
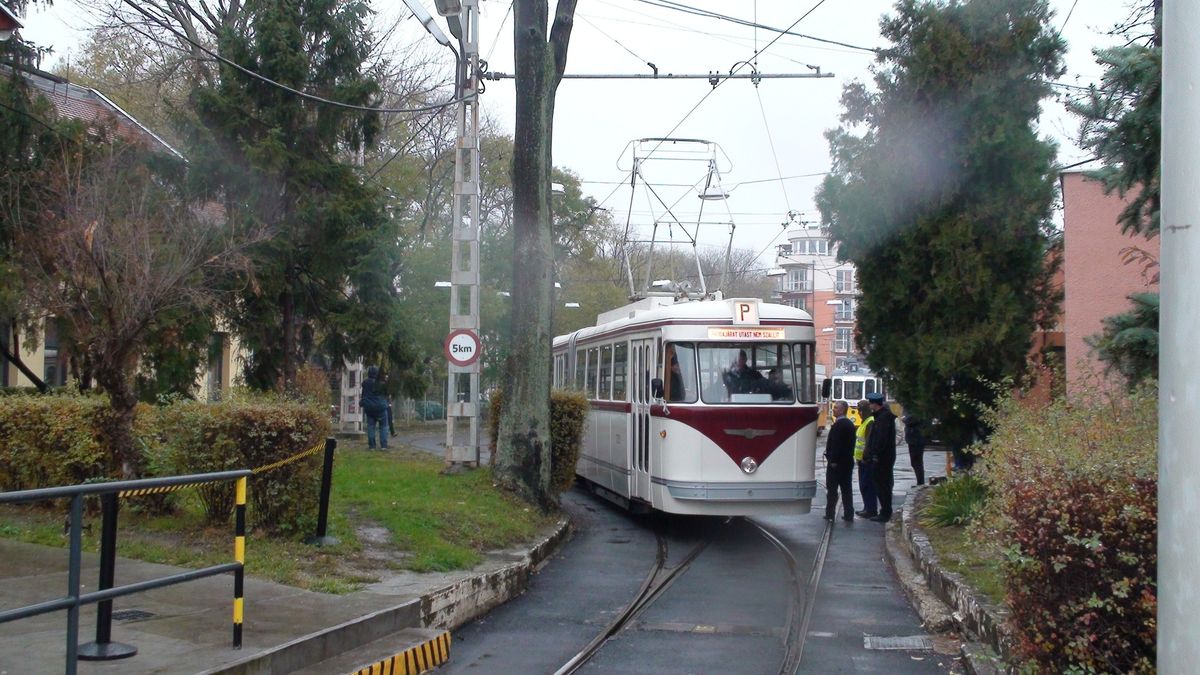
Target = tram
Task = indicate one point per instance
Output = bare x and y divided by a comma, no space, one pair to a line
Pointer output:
849,387
703,407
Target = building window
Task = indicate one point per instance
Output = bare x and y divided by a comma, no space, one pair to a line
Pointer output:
845,281
799,303
842,339
798,280
815,246
844,311
783,249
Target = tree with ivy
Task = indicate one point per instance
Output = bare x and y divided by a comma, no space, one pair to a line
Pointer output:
941,194
324,284
1122,124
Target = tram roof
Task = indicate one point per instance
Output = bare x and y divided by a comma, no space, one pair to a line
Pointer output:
716,311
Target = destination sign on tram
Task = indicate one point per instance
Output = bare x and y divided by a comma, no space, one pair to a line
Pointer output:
745,332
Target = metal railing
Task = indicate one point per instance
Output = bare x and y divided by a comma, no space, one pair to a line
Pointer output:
102,648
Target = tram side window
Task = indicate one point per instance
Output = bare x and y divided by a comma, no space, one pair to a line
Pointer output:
679,373
620,367
837,389
805,375
580,368
871,386
558,371
593,363
605,372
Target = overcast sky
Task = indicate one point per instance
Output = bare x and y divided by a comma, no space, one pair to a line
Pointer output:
764,133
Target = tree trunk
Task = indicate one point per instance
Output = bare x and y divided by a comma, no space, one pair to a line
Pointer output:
523,453
122,398
287,305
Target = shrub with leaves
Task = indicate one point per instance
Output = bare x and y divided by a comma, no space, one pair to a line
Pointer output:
48,441
568,418
955,502
1074,508
251,434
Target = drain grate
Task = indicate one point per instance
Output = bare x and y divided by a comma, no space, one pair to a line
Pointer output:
131,615
916,643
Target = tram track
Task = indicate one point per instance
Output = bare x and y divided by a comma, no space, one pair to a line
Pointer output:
803,597
658,579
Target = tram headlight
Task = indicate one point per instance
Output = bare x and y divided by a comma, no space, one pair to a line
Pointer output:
749,466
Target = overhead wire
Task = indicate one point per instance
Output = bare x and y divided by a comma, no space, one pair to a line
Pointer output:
619,44
496,40
305,95
688,9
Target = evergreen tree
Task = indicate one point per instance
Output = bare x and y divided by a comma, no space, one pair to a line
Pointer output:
324,283
943,202
1121,124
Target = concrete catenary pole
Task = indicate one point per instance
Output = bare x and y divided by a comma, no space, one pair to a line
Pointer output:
464,265
1179,330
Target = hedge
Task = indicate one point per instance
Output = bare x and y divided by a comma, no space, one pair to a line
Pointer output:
56,440
1073,507
568,418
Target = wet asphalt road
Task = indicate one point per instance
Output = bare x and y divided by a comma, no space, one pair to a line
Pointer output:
726,613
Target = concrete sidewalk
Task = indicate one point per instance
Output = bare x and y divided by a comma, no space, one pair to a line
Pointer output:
187,628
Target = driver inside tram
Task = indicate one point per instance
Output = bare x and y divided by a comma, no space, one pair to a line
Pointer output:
741,378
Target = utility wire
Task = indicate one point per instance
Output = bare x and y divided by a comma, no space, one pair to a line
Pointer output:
601,31
688,9
771,142
496,40
263,78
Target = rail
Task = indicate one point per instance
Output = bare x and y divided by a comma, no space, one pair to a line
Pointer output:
102,648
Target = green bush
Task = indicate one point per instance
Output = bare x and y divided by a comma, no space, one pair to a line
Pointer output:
568,418
48,441
1073,508
955,502
203,437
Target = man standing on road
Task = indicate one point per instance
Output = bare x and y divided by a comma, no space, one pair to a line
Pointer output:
839,463
866,481
914,436
375,409
881,452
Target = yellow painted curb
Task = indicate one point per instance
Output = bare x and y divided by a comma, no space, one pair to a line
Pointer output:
423,657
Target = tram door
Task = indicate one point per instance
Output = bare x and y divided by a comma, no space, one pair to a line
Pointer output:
641,373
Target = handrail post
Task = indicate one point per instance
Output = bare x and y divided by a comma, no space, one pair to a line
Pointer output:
320,538
239,556
104,649
76,555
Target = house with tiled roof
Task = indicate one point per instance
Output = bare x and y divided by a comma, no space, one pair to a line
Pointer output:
48,359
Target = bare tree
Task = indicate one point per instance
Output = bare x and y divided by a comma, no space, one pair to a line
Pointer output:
523,457
114,249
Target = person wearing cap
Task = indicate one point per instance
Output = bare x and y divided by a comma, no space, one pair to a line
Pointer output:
866,481
881,452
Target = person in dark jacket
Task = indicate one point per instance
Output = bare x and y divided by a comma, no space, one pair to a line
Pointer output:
375,409
839,463
881,453
914,436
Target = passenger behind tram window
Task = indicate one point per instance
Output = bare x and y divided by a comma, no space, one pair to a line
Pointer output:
742,378
679,373
776,387
675,390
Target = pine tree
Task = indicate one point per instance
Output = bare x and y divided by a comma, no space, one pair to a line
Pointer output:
324,282
943,202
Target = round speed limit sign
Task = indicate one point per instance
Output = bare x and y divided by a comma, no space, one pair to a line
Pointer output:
463,347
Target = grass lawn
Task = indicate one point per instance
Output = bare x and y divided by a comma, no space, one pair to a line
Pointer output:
958,552
389,510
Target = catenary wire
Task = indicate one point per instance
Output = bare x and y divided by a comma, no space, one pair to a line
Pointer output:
284,87
688,9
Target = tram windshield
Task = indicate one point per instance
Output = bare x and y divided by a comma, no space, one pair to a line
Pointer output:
752,372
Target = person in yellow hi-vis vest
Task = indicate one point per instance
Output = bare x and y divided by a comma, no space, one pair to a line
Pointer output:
866,482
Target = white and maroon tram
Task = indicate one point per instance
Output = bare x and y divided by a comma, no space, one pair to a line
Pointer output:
699,407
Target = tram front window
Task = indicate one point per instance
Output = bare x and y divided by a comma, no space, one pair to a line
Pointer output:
854,391
753,372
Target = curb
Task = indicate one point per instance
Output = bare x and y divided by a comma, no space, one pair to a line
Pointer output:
973,614
416,659
446,608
